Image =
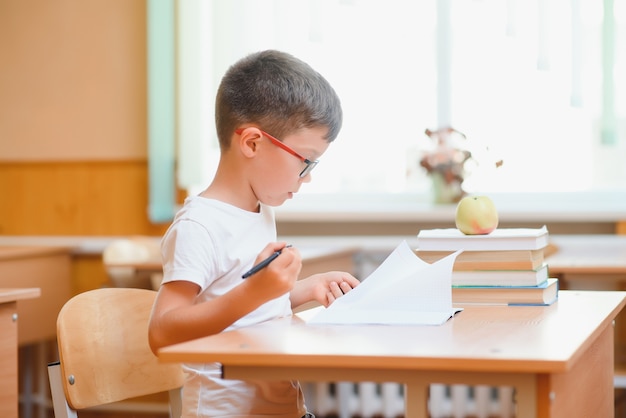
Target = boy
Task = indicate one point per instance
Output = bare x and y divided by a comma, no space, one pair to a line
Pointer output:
221,233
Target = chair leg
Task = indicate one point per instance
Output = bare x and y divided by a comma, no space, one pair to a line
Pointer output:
59,402
176,403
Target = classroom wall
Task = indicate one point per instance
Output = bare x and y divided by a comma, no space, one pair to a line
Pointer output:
73,112
73,128
73,125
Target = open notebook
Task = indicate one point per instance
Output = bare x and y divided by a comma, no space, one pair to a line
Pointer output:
403,290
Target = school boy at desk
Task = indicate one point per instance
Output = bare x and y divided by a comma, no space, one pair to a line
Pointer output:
220,234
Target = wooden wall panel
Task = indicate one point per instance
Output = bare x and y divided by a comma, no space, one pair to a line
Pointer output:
88,273
75,198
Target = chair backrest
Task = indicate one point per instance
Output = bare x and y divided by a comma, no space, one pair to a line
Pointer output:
103,348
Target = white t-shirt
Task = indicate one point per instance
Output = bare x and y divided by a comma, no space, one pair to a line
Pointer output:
213,244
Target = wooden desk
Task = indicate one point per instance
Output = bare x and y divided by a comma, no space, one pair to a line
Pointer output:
46,268
559,358
9,320
594,262
600,256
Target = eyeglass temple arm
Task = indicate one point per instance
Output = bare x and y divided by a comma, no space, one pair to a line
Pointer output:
280,144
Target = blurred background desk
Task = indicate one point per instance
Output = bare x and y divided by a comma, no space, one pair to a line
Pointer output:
9,323
48,269
581,256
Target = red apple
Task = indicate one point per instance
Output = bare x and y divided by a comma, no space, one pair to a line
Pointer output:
476,215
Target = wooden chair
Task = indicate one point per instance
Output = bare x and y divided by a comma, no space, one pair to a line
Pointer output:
104,353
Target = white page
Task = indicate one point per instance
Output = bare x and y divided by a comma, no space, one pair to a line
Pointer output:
400,263
402,290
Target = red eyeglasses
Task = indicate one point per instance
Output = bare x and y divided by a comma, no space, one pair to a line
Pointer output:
310,165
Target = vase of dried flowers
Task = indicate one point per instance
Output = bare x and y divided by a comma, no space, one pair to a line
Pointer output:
445,162
446,158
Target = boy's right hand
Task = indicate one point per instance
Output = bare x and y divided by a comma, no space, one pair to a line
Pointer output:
280,275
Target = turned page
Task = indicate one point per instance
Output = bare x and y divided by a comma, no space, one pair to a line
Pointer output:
402,290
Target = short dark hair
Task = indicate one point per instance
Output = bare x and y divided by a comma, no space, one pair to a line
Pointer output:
277,91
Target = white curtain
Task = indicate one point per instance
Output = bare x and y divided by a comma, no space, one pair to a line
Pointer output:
523,81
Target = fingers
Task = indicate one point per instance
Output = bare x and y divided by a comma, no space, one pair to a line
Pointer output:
339,289
344,284
270,248
281,248
335,289
349,281
339,286
347,286
278,260
330,298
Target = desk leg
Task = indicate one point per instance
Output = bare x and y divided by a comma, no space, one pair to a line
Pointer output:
27,384
526,396
416,399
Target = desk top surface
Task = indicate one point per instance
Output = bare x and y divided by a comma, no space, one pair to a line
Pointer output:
13,252
485,338
588,254
10,294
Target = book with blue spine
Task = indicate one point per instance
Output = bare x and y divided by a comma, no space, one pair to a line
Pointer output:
543,294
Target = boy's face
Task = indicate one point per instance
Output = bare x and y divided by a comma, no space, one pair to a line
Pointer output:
282,167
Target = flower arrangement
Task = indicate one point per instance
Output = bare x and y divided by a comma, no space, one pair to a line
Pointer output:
445,162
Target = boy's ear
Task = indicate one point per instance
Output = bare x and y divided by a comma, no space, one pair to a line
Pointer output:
248,141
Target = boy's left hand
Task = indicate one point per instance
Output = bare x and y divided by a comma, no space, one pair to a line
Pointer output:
327,287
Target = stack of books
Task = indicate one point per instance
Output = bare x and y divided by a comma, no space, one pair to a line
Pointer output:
506,266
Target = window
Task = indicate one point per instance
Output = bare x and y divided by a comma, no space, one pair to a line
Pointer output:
532,83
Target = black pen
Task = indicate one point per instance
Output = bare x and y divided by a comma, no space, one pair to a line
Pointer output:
263,263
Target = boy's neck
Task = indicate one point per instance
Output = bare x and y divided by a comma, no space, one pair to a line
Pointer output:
226,195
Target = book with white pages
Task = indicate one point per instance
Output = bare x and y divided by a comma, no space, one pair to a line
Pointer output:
403,290
489,260
500,239
501,277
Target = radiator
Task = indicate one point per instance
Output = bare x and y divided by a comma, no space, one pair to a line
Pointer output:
386,400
